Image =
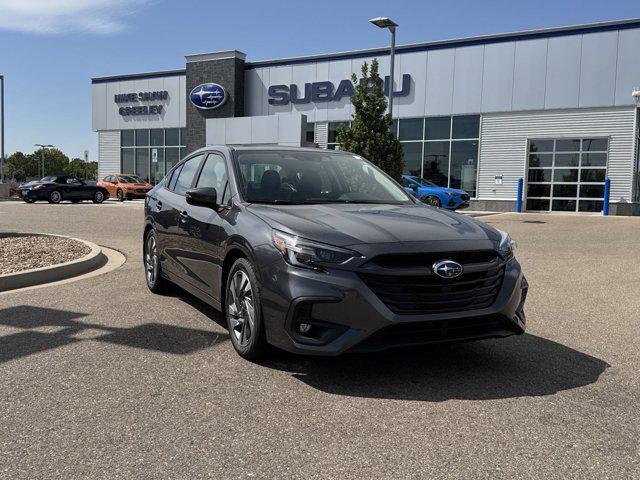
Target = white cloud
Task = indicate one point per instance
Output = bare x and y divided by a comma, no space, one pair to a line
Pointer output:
53,17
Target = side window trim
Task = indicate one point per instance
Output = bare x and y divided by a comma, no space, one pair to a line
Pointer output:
178,168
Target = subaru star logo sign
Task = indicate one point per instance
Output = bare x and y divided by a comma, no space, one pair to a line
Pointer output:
447,269
208,96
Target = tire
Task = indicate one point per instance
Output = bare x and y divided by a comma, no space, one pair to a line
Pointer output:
152,268
98,197
119,195
243,311
55,197
432,200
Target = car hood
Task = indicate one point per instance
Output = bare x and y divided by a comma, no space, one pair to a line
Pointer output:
352,224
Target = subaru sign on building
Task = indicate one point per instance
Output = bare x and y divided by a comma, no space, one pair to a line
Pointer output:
552,107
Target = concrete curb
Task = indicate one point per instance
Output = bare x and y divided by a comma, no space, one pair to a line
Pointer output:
27,278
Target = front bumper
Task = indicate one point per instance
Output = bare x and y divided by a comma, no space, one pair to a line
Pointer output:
347,316
33,194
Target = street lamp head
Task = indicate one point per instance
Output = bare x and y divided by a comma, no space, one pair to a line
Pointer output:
383,22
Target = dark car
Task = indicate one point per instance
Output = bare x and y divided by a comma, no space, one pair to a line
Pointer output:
320,252
57,188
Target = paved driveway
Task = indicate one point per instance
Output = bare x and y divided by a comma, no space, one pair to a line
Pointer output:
101,379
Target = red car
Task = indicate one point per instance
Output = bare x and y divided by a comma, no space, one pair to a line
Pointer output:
125,185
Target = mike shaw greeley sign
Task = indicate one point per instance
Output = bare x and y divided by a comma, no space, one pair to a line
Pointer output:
318,92
141,97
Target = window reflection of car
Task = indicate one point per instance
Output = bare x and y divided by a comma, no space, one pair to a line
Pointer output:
125,186
57,188
434,195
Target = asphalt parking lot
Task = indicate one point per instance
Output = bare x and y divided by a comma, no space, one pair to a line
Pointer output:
101,379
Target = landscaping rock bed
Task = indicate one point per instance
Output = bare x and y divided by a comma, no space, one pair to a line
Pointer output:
20,252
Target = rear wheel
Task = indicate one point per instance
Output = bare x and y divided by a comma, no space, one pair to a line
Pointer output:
153,272
432,200
98,197
55,197
243,311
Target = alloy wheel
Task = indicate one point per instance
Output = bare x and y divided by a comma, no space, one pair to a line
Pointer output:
151,260
99,197
241,308
55,196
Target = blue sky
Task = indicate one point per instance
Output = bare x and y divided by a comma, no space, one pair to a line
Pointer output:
50,49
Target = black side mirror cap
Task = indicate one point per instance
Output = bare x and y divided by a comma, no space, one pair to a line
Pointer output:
202,197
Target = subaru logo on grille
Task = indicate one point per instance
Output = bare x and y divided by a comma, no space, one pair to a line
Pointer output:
208,96
447,269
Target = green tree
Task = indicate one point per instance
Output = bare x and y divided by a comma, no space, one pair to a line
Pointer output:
19,163
370,132
55,162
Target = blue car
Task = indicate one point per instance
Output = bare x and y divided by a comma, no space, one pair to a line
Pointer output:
433,195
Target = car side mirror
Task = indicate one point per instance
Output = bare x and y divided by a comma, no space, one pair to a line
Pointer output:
202,197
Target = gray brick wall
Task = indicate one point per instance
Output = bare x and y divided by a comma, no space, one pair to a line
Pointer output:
228,72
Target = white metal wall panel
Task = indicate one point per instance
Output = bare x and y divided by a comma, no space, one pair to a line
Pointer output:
321,134
467,80
563,72
598,69
497,78
529,74
503,146
108,153
415,64
628,68
440,82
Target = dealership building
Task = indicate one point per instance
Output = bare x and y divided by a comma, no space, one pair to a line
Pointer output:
555,107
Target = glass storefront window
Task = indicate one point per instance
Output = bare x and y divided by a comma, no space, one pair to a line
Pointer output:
127,138
156,137
411,129
128,157
464,161
172,156
172,136
142,138
412,154
437,128
436,163
158,170
309,135
183,136
142,163
466,126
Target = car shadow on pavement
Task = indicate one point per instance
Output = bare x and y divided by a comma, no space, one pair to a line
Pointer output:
521,366
36,329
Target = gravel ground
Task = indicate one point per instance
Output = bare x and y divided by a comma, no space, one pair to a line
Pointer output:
24,252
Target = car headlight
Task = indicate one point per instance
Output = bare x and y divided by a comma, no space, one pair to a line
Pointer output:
507,245
309,254
38,187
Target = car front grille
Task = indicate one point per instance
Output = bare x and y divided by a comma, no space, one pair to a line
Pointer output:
142,190
409,293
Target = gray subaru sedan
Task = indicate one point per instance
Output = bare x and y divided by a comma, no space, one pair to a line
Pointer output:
320,252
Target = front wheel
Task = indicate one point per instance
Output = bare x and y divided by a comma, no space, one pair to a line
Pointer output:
432,200
243,311
98,197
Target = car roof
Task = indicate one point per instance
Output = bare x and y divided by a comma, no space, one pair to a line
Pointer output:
273,148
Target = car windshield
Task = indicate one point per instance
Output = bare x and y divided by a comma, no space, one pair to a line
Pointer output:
424,182
48,179
306,177
129,179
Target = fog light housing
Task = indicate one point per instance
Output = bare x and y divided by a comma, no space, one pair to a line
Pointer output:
304,328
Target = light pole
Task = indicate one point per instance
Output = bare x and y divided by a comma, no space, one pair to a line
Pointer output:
42,154
1,128
384,22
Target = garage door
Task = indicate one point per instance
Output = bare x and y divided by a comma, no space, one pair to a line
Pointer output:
566,174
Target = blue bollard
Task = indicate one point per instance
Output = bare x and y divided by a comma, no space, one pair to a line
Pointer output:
607,194
519,199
